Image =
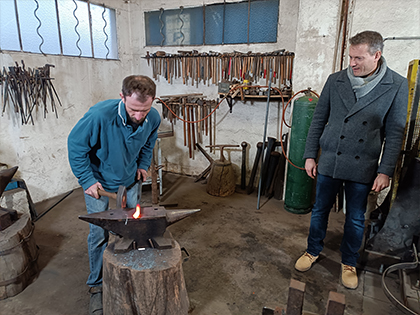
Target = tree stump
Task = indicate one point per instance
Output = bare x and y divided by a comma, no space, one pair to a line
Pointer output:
18,257
148,281
222,179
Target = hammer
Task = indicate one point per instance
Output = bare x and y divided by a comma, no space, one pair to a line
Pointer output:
120,196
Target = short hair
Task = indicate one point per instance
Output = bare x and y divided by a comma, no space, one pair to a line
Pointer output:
142,85
373,39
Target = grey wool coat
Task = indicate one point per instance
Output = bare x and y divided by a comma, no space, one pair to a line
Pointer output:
352,134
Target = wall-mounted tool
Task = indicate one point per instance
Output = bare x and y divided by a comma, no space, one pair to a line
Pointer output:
195,112
195,67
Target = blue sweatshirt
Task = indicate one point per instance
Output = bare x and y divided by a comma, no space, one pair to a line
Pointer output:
104,148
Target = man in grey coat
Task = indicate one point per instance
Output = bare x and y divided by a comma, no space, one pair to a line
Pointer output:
358,124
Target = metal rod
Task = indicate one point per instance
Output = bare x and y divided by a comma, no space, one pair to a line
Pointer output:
75,28
58,26
18,26
90,29
204,24
265,134
37,217
224,15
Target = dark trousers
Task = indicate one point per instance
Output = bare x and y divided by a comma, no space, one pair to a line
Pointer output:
356,195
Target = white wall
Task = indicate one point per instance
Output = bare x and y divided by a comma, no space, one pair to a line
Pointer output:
40,150
391,20
305,27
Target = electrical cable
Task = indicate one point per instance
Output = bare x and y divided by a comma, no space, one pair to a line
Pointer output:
392,298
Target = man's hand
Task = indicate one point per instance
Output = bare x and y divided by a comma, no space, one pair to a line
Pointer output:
93,190
310,167
381,182
141,174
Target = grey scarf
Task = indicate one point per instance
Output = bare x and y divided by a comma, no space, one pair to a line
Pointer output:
362,86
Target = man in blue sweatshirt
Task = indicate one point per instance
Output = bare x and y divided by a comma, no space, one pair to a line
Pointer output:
112,145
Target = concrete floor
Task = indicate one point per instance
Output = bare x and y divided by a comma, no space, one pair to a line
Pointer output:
241,258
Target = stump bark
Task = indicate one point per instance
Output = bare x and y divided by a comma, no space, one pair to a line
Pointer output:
149,281
222,179
18,257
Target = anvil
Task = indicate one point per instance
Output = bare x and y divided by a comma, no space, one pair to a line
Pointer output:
146,231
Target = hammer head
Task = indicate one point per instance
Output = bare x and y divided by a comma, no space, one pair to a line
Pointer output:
122,197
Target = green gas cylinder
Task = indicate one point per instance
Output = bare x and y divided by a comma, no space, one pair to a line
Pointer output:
299,186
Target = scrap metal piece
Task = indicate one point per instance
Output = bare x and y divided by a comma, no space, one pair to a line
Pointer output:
5,177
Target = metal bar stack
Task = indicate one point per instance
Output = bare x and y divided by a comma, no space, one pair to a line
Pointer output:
194,109
25,91
213,67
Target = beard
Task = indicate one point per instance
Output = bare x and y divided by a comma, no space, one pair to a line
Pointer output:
135,121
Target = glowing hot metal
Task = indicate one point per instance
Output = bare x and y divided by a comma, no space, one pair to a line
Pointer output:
137,214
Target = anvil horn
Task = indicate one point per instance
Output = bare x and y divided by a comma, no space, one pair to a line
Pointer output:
173,216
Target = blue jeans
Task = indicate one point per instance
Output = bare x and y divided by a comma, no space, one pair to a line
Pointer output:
98,237
356,195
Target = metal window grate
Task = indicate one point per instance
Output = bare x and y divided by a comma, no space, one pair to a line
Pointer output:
251,21
58,27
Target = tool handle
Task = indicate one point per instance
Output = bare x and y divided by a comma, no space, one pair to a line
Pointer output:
107,194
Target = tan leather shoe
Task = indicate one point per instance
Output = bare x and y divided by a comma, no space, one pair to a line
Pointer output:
305,262
349,276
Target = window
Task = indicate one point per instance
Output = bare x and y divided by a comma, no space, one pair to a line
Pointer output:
58,27
251,21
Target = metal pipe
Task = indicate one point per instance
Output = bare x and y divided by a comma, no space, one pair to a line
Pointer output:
265,134
402,38
344,21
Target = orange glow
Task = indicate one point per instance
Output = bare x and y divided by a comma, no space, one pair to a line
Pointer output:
136,214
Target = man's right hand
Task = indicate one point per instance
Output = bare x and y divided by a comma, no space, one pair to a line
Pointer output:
93,190
310,167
